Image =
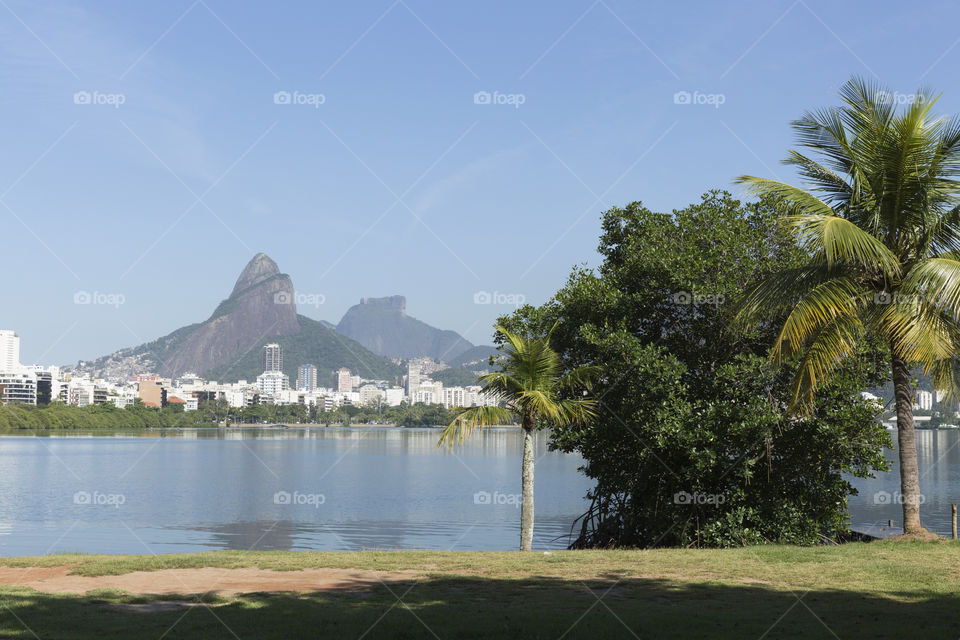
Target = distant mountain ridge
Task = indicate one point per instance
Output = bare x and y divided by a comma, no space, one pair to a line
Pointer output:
383,326
261,308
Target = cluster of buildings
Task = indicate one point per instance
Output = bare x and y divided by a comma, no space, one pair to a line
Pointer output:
34,385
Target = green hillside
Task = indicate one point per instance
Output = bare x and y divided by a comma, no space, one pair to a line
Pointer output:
478,356
318,345
455,377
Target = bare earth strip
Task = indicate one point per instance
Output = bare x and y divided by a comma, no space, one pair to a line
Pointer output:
225,582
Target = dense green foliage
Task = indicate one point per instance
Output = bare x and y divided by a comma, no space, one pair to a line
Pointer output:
404,415
318,345
106,416
64,416
694,444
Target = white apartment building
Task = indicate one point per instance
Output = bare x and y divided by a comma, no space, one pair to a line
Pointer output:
18,384
454,397
430,392
18,387
271,383
9,351
393,397
369,394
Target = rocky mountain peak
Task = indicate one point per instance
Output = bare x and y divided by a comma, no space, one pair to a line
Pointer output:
260,268
396,303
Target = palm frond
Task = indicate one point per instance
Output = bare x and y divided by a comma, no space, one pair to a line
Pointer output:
821,306
830,346
467,420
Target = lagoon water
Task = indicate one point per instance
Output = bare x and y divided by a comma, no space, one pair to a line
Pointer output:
938,453
301,489
328,489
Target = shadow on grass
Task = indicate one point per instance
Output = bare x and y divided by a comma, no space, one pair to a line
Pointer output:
474,607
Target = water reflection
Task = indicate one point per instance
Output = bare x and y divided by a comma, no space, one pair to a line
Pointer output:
347,489
381,488
938,455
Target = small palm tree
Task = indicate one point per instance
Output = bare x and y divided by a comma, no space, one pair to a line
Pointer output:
883,242
532,385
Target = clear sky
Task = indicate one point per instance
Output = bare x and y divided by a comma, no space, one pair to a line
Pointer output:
146,155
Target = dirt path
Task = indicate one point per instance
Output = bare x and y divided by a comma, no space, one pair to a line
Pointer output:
227,582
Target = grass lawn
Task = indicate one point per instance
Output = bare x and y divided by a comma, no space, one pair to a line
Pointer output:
876,590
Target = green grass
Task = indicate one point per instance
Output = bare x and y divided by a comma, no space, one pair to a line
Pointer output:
878,590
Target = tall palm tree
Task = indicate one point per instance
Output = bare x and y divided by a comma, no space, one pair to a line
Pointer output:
531,384
883,238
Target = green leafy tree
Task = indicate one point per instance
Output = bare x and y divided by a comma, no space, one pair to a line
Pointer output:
692,443
881,227
533,385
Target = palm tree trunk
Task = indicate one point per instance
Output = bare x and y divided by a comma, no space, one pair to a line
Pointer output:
909,475
526,507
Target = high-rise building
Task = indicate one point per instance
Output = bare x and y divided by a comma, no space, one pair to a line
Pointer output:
343,381
272,357
306,377
413,379
9,351
18,385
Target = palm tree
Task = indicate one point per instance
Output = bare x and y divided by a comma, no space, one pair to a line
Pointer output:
883,245
532,385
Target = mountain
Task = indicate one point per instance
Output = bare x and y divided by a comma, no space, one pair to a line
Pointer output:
315,344
262,303
261,308
383,326
475,359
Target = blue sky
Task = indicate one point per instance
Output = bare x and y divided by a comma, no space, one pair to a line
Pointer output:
399,182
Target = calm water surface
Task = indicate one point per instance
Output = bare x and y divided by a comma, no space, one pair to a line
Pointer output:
330,489
320,489
938,454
